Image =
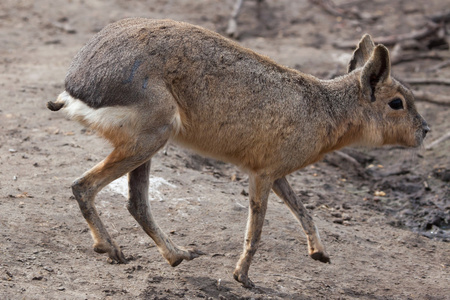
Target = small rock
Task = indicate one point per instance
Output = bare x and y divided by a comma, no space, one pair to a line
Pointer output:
346,217
346,206
48,269
310,206
10,276
244,193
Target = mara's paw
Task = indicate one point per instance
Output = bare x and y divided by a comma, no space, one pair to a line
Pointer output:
115,255
243,278
185,254
321,256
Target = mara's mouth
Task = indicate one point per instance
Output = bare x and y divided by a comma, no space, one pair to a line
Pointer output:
406,140
420,136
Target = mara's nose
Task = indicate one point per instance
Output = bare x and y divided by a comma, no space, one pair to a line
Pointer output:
425,128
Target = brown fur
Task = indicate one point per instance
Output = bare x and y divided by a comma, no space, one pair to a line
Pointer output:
188,84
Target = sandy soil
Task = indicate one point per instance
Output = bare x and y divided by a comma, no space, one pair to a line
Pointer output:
382,247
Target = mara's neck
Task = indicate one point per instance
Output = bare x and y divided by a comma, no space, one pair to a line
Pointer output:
341,99
341,95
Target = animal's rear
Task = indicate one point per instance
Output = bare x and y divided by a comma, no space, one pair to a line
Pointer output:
114,68
115,84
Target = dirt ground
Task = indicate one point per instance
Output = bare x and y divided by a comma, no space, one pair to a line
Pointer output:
384,220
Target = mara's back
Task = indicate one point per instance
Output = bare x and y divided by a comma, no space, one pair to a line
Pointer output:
134,54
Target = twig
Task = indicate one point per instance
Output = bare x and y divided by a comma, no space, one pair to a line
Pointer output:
333,10
232,23
429,29
348,158
287,276
390,40
438,141
441,17
439,66
232,28
64,27
432,98
345,161
437,81
398,57
396,53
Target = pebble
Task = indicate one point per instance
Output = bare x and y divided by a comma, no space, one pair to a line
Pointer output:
48,269
346,217
336,215
310,206
244,193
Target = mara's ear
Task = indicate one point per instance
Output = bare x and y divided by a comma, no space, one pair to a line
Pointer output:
361,54
377,70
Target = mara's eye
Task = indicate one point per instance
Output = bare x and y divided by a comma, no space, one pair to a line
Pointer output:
396,104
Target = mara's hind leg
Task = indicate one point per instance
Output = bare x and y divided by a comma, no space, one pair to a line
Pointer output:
139,207
315,247
123,159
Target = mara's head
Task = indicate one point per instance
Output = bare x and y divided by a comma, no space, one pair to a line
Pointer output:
388,106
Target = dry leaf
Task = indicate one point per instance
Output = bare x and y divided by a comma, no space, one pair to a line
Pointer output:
23,195
379,194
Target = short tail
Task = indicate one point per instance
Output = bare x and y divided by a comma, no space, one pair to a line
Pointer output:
54,106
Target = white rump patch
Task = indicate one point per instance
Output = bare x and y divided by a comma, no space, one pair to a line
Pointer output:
104,117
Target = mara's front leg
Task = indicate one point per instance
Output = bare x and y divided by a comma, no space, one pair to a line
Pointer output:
315,247
259,188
